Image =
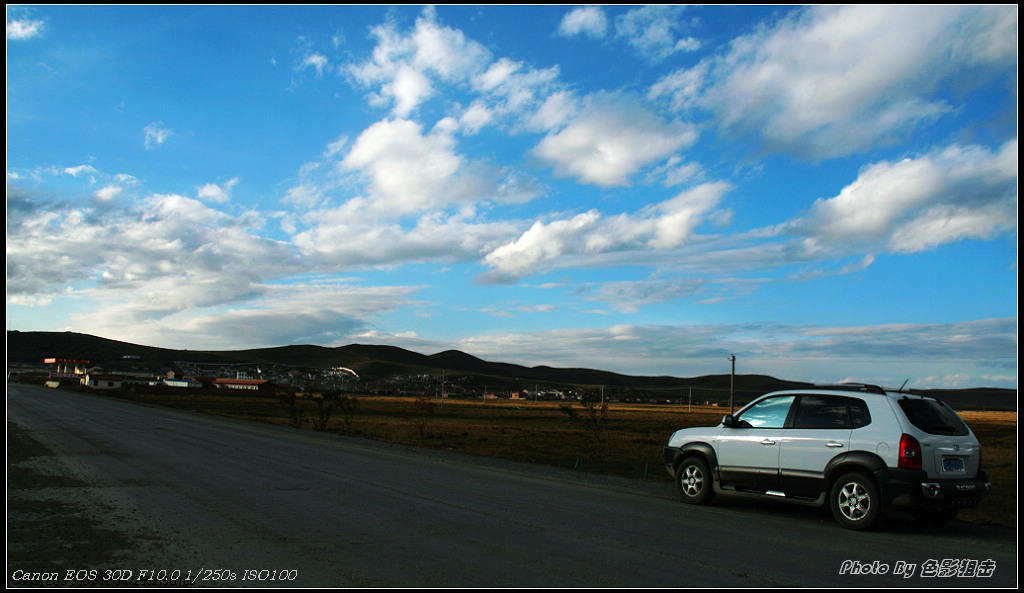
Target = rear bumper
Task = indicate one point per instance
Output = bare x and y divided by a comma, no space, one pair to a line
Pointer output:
907,489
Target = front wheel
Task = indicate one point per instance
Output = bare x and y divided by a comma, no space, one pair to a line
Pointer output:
855,501
693,477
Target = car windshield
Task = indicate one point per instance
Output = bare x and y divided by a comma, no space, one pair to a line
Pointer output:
933,416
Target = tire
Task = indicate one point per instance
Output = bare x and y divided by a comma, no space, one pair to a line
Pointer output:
934,517
693,478
855,501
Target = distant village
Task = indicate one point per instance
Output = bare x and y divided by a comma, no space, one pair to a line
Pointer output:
265,380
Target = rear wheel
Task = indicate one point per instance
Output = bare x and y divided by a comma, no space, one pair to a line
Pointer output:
693,477
855,501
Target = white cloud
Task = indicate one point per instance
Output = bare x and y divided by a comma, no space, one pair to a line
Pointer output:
676,172
109,193
631,296
316,61
339,237
585,20
167,253
610,141
542,243
654,31
408,88
919,203
556,110
315,312
833,80
658,227
22,29
171,270
497,74
156,134
305,195
947,224
87,171
674,220
402,66
407,69
684,86
446,51
217,193
475,117
513,88
407,169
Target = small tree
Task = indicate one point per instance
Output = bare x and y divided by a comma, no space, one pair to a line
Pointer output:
347,404
325,403
422,409
592,420
289,399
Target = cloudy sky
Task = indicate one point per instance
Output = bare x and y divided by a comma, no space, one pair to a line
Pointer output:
827,193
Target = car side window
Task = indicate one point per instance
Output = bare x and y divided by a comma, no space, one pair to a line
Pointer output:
821,411
830,411
767,413
859,415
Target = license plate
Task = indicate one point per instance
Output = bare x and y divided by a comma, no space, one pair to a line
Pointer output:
952,464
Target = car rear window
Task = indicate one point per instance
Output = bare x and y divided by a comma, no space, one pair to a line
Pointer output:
933,416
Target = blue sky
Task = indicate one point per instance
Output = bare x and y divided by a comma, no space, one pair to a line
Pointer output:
827,193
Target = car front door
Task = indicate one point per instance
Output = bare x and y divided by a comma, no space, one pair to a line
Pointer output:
748,451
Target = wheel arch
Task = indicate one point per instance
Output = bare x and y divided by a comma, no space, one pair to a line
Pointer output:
698,448
862,461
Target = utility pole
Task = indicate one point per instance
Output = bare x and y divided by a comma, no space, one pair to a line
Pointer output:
732,382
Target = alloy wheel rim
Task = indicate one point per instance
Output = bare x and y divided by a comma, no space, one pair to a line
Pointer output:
693,481
854,501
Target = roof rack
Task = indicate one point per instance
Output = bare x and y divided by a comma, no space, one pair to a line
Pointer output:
864,387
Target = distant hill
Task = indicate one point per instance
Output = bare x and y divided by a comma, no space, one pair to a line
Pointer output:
370,361
378,362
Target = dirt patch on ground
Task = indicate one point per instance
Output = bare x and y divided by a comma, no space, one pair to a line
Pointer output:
59,534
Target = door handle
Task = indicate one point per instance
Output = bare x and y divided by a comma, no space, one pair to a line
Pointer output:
834,445
767,442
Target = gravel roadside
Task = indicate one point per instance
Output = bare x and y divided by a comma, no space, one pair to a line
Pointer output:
61,533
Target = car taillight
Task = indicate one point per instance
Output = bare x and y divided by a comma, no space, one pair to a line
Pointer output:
910,453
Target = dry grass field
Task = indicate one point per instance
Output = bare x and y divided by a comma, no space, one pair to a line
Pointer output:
624,440
997,432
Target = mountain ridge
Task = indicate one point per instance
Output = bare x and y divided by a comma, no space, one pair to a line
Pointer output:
373,361
33,347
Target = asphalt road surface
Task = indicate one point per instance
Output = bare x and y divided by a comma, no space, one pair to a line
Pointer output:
103,491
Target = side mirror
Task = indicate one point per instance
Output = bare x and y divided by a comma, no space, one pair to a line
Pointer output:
728,421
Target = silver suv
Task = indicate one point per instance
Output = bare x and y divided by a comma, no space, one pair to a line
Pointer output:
856,448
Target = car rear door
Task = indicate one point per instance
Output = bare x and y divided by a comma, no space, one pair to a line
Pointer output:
820,429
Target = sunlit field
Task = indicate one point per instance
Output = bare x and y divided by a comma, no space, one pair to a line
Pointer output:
624,440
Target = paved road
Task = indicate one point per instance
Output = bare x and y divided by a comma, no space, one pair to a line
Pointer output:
117,488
